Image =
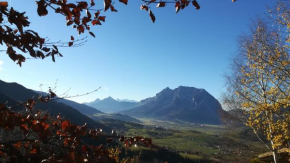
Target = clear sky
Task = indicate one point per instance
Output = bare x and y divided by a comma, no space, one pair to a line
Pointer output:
132,58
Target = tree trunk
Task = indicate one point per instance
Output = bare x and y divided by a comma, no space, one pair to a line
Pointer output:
275,156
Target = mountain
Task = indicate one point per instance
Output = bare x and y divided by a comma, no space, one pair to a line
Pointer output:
14,93
110,105
126,100
7,100
181,104
84,109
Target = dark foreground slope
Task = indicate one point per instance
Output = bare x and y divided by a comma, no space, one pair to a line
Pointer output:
16,93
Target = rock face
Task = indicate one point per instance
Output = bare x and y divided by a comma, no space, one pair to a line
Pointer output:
181,104
110,105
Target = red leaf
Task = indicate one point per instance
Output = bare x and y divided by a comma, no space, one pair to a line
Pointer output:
45,125
33,151
17,145
24,127
4,4
65,124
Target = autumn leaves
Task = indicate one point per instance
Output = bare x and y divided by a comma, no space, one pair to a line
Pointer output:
178,5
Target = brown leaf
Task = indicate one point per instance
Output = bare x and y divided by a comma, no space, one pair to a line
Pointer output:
97,14
83,4
4,4
113,9
55,47
45,49
80,29
96,22
122,139
92,34
161,4
124,1
107,4
41,8
152,16
177,6
195,4
70,43
40,54
144,7
102,18
72,38
15,31
88,13
92,3
69,22
71,5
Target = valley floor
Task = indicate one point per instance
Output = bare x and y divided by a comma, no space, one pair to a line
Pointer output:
196,141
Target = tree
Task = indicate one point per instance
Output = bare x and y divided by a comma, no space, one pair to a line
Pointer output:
80,15
260,78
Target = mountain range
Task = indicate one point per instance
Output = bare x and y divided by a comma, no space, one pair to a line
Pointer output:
187,104
110,105
181,104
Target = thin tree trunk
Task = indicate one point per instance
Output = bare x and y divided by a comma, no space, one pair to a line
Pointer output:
275,155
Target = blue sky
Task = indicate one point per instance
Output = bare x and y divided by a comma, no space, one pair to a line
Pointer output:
132,58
